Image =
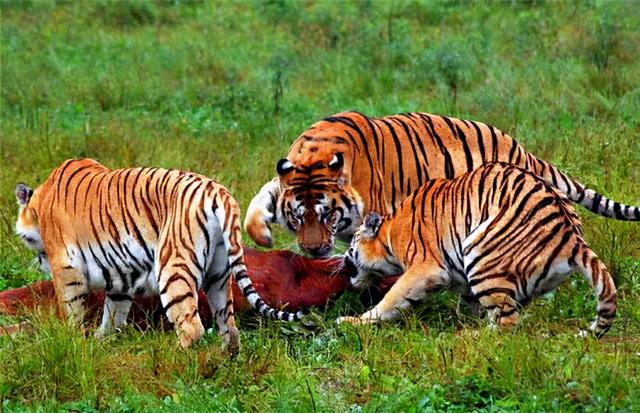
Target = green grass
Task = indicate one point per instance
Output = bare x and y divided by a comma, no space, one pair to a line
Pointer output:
224,88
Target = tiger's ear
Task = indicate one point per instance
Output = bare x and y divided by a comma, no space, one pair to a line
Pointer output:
23,194
284,166
337,162
372,223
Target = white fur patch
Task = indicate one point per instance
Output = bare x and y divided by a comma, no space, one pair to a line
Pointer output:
473,235
30,237
260,210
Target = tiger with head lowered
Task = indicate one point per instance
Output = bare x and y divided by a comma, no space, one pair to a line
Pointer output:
349,164
139,230
498,234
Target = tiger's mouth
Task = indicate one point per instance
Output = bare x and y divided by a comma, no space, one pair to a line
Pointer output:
317,252
350,266
43,263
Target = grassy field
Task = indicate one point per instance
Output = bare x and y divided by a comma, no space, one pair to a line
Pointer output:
224,88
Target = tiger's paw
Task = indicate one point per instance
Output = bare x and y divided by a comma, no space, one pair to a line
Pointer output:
256,225
259,232
509,321
349,320
355,320
103,332
231,342
190,333
599,328
100,333
259,214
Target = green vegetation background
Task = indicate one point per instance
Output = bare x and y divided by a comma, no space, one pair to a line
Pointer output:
223,88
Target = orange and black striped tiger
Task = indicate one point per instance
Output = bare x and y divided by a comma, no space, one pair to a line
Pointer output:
139,230
348,164
498,234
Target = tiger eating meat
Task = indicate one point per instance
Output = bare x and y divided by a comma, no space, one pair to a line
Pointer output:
349,164
499,235
134,231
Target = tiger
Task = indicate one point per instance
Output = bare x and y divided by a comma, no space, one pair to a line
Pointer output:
499,235
150,231
349,164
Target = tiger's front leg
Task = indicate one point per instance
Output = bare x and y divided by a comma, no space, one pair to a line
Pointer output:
114,314
71,289
412,287
261,214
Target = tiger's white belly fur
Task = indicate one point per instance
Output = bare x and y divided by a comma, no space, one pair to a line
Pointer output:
118,272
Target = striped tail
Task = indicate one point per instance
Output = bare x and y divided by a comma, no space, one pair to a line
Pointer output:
605,290
577,192
246,286
237,267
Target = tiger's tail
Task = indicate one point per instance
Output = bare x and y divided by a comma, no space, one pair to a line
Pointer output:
231,226
594,270
578,193
245,284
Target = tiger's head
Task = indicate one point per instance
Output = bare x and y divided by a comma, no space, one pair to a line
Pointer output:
27,225
370,256
317,201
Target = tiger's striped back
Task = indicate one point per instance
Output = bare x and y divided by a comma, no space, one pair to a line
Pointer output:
412,148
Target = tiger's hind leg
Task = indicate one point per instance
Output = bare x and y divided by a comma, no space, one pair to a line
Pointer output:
603,286
496,292
220,296
490,283
178,283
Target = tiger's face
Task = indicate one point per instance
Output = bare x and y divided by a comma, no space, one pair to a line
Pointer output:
370,254
27,226
317,202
